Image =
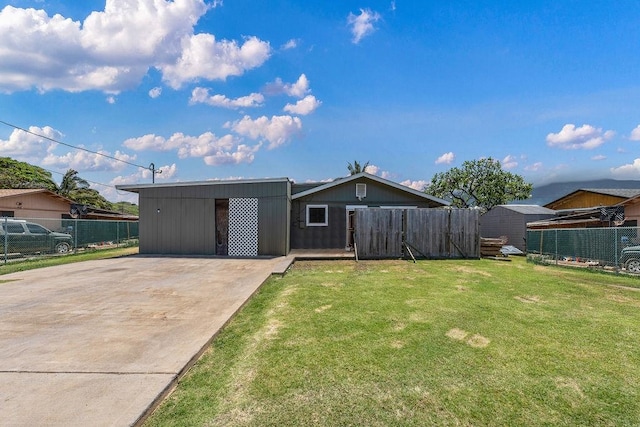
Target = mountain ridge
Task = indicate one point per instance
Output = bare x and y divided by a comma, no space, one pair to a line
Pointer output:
549,192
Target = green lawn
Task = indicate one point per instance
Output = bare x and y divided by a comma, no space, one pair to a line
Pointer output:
434,343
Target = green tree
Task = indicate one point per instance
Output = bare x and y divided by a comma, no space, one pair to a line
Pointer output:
356,168
20,175
72,184
479,183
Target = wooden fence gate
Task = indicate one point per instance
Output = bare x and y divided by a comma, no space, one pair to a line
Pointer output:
427,233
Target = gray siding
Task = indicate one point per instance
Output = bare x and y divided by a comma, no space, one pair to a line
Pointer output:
337,198
181,219
501,221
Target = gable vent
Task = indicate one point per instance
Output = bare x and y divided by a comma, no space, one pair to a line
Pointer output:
361,191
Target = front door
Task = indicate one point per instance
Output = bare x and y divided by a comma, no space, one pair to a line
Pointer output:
351,214
222,227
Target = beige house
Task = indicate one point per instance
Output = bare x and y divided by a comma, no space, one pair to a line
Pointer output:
33,203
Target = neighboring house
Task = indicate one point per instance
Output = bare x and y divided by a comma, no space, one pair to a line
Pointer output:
511,221
592,198
593,208
260,217
33,203
38,203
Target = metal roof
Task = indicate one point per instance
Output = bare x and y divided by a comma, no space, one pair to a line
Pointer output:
12,192
529,209
372,178
136,187
619,192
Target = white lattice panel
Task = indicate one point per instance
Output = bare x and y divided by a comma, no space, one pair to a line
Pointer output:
243,227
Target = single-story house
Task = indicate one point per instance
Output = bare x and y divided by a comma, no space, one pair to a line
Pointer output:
263,216
40,203
33,203
511,221
592,197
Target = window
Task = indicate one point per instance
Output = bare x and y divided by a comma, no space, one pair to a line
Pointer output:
361,191
36,229
8,214
317,215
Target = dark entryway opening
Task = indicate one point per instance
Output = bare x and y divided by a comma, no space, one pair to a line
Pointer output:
222,227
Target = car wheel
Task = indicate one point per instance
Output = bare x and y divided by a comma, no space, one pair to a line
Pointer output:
64,248
633,266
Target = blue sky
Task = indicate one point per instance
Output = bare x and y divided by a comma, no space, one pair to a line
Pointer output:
257,89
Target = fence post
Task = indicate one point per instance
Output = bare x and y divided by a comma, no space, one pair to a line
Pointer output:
6,240
615,247
117,233
556,250
75,236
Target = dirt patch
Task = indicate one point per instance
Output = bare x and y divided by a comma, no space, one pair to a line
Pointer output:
462,288
331,284
529,299
397,344
478,341
571,384
399,327
469,270
323,308
457,334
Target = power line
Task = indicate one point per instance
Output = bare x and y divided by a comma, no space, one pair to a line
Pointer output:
77,148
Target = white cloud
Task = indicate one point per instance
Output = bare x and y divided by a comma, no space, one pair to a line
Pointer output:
362,25
112,50
305,106
204,57
86,161
291,44
599,157
533,167
298,89
29,146
584,137
155,92
635,134
509,162
212,149
201,95
446,158
628,171
277,131
419,185
242,154
111,100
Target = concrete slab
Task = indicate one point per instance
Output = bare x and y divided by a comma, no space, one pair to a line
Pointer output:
95,343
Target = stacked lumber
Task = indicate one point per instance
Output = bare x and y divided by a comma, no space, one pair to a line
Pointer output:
491,246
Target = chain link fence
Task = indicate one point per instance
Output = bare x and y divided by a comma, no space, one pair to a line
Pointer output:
28,237
609,247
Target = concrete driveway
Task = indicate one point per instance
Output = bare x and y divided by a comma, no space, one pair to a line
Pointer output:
96,343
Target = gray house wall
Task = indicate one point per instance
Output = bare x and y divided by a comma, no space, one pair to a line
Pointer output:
180,219
511,222
337,198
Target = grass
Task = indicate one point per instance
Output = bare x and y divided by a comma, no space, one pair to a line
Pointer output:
40,262
434,343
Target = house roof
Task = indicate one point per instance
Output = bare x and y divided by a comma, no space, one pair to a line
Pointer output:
529,209
13,192
623,193
375,178
137,187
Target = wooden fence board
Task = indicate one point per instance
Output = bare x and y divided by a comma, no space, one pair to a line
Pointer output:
378,233
434,233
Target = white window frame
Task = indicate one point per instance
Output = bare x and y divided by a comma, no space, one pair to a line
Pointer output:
326,216
358,193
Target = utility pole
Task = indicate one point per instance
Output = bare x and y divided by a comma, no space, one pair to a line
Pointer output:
152,168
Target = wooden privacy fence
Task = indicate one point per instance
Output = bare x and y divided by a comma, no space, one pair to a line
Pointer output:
426,233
